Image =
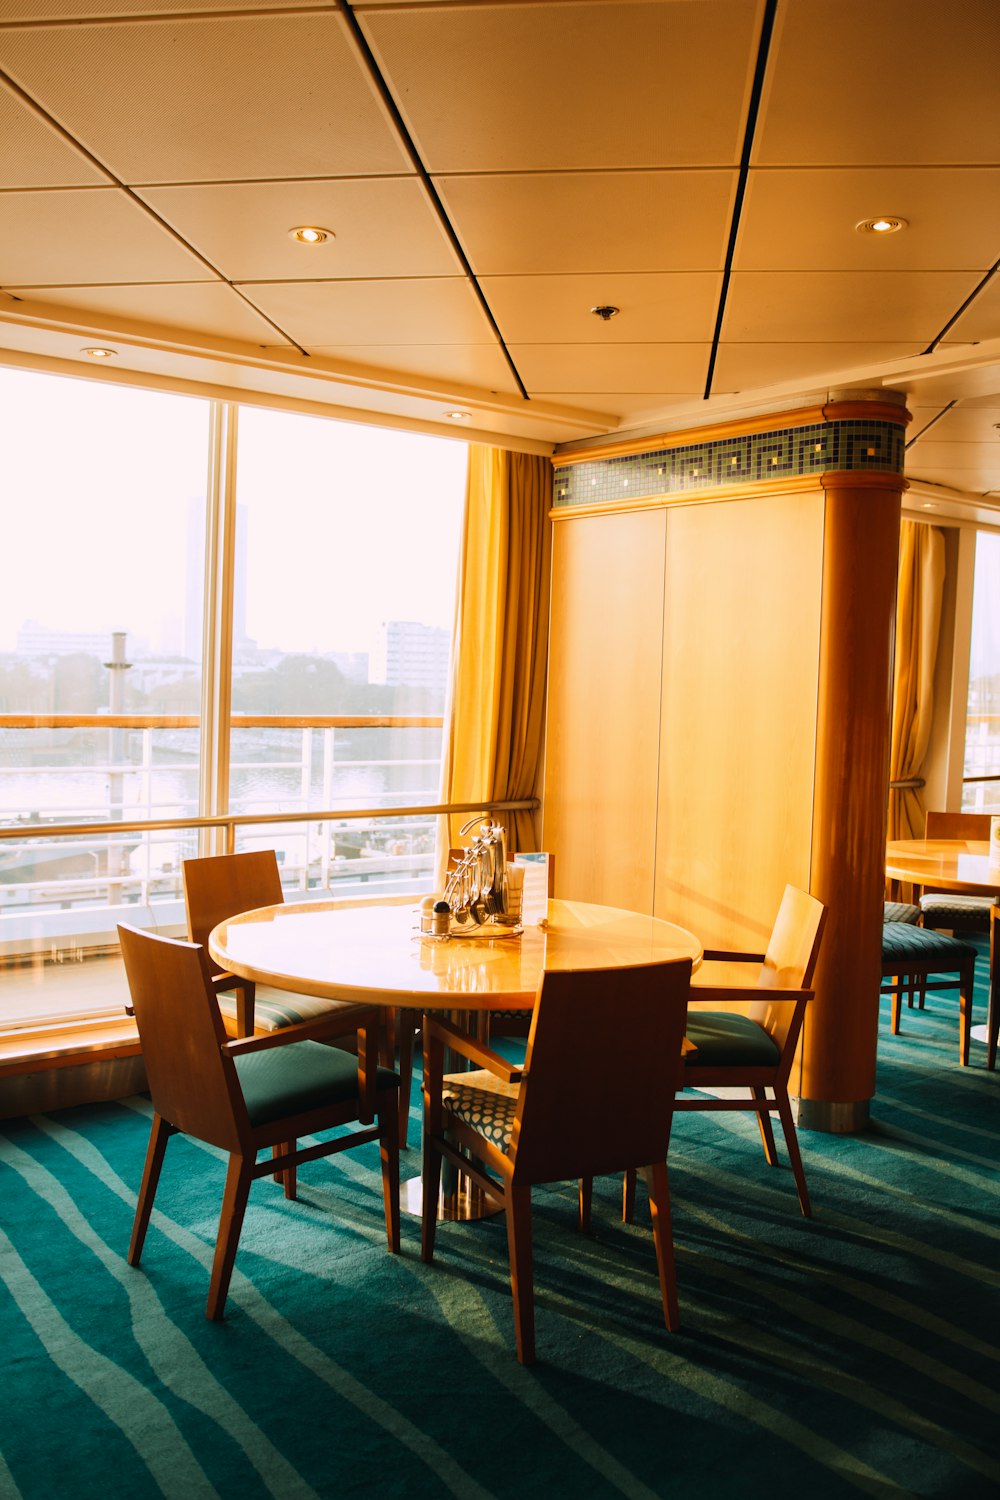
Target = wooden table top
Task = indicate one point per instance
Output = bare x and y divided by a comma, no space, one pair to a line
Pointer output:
949,864
376,954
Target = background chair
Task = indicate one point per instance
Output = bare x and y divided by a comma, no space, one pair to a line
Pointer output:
592,1096
910,955
753,1048
223,885
951,910
249,1094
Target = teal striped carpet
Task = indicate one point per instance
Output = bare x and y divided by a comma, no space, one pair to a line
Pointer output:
857,1354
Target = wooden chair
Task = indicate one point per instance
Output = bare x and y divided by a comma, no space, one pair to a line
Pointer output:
221,886
592,1096
249,1094
910,955
952,911
753,1050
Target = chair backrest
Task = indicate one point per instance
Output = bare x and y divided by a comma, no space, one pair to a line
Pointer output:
223,885
957,825
192,1083
602,1067
790,960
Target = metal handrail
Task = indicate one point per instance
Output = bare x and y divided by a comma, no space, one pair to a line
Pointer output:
232,821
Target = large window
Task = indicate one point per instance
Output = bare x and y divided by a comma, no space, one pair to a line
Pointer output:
343,564
981,792
344,593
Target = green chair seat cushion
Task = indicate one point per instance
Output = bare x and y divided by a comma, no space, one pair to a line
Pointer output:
901,942
726,1040
303,1076
485,1102
900,911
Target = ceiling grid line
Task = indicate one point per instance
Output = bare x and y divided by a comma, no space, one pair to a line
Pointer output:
368,58
753,108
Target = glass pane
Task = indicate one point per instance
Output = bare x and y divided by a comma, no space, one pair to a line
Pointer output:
100,654
982,724
346,558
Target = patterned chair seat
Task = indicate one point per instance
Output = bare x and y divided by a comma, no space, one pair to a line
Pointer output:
275,1011
484,1102
903,943
900,911
951,909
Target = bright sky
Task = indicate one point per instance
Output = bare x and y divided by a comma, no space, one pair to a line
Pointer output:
984,657
347,525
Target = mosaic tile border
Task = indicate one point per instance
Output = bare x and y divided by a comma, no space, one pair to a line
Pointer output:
852,444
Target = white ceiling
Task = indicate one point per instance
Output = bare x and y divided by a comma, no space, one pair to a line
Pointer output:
491,172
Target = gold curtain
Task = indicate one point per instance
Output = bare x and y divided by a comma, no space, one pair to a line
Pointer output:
495,716
918,619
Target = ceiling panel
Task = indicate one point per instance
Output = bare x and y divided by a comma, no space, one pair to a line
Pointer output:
35,154
740,367
677,306
327,313
542,86
805,220
962,424
968,466
630,408
897,82
381,227
982,321
82,235
208,307
210,99
603,369
481,365
567,222
69,10
842,306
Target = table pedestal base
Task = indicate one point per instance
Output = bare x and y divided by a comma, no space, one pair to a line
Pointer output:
463,1202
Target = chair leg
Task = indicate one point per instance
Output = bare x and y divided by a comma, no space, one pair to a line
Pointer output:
431,1187
289,1176
518,1202
764,1122
586,1196
896,1000
663,1239
406,1030
792,1147
993,1011
628,1196
968,978
234,1203
158,1138
388,1145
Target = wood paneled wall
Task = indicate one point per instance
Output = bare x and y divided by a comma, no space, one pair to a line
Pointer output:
738,719
602,741
682,709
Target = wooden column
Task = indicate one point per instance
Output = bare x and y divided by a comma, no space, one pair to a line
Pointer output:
861,545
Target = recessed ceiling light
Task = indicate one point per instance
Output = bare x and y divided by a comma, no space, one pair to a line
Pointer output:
458,416
604,311
884,224
310,234
929,505
97,353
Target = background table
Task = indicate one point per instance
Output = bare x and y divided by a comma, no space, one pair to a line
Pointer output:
954,865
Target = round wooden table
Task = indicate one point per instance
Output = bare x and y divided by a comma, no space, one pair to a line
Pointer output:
955,865
376,954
